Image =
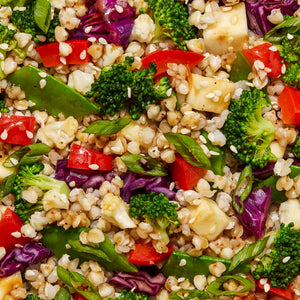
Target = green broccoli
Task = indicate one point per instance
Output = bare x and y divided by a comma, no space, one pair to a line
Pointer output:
24,21
3,108
281,266
118,87
28,175
296,148
171,21
7,38
32,297
156,210
248,134
130,295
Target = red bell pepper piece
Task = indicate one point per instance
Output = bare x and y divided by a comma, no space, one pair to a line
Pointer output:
87,159
145,254
289,101
184,174
162,58
270,58
283,293
79,297
16,129
11,223
49,53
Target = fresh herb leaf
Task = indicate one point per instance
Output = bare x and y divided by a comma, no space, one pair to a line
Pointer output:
189,149
13,3
152,167
107,127
42,14
189,294
71,278
214,287
7,184
63,294
248,252
26,155
246,174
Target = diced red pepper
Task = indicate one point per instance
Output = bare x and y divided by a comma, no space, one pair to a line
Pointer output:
289,101
10,228
270,58
16,129
49,53
162,58
79,297
88,159
184,174
145,254
283,293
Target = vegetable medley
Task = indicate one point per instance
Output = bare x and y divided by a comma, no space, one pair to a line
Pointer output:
149,149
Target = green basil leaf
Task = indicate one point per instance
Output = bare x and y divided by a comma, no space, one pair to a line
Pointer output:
246,174
7,184
289,25
189,294
215,287
107,127
63,294
189,149
26,155
153,167
69,277
42,14
248,252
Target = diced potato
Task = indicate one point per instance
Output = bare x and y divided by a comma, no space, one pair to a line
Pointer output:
7,284
277,149
289,211
207,219
209,94
230,30
5,171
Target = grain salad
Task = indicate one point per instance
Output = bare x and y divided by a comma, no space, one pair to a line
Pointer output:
149,149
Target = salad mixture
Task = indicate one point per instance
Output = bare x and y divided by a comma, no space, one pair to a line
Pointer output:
149,149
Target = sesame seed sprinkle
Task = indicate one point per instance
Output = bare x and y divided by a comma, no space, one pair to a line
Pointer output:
94,167
4,135
83,55
43,83
29,134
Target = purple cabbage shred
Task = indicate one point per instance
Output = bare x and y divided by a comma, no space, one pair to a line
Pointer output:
103,20
258,10
20,258
140,281
255,212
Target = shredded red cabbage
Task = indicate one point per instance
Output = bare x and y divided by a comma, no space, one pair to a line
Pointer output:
140,281
255,212
258,10
133,183
104,20
20,258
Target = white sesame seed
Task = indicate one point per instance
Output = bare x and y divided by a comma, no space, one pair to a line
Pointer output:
129,92
92,39
286,259
72,184
29,134
227,98
233,149
102,41
88,29
249,84
42,74
290,36
185,131
218,92
172,185
83,55
63,60
283,69
94,166
214,153
263,281
216,99
169,92
258,65
68,246
119,8
266,288
202,139
273,48
19,8
182,262
210,95
268,70
43,83
16,234
4,135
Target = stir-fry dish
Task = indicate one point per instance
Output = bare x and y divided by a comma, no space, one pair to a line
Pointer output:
149,149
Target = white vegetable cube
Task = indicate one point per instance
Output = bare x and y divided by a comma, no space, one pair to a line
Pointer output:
207,219
229,32
209,94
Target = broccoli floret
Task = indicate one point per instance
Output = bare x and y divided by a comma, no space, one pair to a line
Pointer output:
28,175
130,295
7,38
32,297
156,210
24,21
296,148
248,134
281,266
3,108
171,21
118,87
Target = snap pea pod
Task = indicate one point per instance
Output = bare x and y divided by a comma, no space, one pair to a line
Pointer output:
56,239
196,265
50,94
